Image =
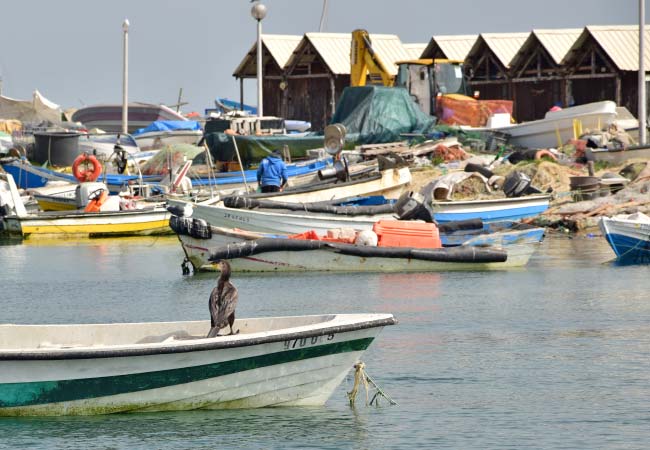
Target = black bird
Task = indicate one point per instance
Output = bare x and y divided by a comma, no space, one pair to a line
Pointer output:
223,301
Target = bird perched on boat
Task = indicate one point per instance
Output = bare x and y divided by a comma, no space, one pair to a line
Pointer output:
223,300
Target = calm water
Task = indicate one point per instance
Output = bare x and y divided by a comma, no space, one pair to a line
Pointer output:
552,356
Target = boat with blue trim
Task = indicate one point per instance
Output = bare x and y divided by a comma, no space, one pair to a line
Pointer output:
629,236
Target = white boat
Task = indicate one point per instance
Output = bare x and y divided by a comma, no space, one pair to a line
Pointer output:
520,244
108,117
146,367
293,222
161,133
559,125
619,155
629,236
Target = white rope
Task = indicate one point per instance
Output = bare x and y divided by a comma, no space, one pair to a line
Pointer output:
361,377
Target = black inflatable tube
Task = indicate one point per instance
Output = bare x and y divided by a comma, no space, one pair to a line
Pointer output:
451,254
457,225
244,202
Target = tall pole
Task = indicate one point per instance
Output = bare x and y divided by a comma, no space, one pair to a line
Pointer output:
260,100
323,14
258,11
125,78
642,91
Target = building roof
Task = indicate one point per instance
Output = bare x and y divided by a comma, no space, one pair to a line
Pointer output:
334,49
620,42
557,42
414,50
279,46
452,47
504,45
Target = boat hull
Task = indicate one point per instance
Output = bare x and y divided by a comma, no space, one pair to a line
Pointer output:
298,366
629,239
122,223
558,127
274,221
520,245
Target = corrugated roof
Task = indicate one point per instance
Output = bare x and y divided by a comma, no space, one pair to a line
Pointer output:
504,45
414,50
621,42
558,42
334,48
453,47
280,46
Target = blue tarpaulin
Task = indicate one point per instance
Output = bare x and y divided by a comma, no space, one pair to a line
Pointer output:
169,125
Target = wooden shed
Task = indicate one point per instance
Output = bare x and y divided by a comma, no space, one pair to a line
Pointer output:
488,61
319,70
603,64
276,51
536,73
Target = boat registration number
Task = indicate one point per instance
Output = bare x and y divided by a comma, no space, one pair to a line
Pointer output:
304,342
236,217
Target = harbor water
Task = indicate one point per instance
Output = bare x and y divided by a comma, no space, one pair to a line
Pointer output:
554,355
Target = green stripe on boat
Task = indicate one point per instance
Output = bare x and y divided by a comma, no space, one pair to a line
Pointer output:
43,392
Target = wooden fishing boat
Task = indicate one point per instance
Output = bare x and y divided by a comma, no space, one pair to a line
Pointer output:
169,366
302,217
199,243
629,236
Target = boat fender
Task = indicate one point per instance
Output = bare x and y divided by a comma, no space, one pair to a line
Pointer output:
94,205
81,169
200,229
180,225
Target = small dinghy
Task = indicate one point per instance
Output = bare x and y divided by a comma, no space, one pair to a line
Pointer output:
166,366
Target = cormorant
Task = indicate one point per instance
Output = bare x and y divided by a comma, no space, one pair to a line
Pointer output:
223,301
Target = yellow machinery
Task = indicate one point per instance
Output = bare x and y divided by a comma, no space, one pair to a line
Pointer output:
364,60
425,79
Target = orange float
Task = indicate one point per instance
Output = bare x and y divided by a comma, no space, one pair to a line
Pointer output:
86,168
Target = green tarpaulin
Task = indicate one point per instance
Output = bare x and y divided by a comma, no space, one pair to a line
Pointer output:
370,114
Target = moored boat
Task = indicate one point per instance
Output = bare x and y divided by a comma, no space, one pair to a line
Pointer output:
200,241
165,366
629,236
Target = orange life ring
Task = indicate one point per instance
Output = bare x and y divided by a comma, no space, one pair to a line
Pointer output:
82,171
95,204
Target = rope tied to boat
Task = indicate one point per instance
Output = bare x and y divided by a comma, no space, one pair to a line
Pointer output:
362,377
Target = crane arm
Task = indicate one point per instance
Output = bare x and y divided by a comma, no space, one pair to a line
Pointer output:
364,60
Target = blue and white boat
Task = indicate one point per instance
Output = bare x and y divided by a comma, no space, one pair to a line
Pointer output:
629,236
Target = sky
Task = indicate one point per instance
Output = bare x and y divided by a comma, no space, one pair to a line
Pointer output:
72,50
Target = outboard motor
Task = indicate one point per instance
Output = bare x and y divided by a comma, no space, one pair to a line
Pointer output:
412,206
517,184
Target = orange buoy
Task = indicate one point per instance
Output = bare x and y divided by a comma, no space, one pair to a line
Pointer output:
86,168
95,204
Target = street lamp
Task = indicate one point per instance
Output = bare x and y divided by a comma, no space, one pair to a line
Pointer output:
642,85
258,11
125,79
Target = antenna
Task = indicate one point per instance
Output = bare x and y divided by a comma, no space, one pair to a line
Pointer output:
322,17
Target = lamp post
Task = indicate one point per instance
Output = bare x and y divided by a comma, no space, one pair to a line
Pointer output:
642,84
125,78
258,11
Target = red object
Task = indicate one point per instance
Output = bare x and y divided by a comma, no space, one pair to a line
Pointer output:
307,235
404,233
82,171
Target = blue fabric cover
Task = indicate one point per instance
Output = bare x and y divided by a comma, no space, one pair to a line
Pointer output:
169,125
